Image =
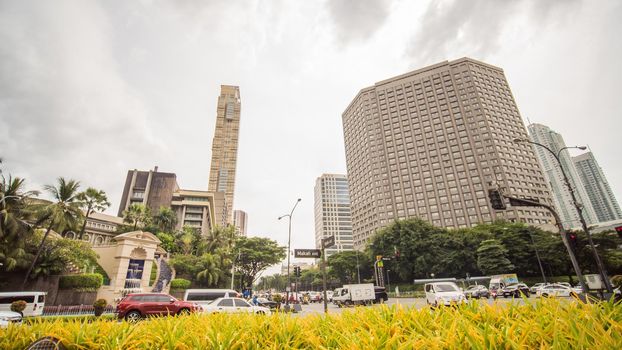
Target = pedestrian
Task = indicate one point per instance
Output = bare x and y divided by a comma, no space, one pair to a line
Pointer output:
255,301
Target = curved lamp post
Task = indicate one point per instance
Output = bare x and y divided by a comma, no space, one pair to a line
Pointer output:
289,241
577,205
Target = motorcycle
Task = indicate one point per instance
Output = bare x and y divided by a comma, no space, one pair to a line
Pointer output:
494,294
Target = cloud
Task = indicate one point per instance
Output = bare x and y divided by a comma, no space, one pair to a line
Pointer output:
63,103
357,20
456,28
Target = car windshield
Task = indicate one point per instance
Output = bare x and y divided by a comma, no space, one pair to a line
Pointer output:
445,288
474,288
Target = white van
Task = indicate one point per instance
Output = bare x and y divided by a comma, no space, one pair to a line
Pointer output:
35,301
206,296
443,293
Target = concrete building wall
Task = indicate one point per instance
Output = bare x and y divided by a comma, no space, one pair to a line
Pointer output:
429,144
151,188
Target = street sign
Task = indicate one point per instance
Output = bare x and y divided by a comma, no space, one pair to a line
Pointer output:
307,253
328,242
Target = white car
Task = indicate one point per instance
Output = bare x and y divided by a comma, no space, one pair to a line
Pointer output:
555,290
443,293
537,286
234,305
8,317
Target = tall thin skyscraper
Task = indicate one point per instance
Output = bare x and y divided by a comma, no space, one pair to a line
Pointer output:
240,221
431,142
332,212
225,146
561,196
597,187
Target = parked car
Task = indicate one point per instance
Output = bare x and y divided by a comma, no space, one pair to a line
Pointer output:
234,305
35,301
477,291
9,317
272,305
315,297
381,294
537,286
515,290
443,293
136,306
556,290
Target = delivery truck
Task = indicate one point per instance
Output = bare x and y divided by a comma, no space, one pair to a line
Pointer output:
355,294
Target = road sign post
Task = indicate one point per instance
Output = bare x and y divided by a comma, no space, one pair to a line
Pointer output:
326,242
307,253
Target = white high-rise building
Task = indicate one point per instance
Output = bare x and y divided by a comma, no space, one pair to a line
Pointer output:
597,187
561,196
332,212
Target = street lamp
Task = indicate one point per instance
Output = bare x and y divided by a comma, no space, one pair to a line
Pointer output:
577,205
289,242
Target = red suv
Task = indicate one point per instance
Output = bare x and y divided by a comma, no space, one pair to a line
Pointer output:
136,306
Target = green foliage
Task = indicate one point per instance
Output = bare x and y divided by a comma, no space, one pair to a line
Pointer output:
92,200
165,219
137,216
277,298
180,283
18,306
491,258
100,270
16,211
616,280
90,281
204,269
256,254
100,303
344,267
167,241
57,254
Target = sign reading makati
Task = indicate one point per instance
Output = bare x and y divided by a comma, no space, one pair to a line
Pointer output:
307,253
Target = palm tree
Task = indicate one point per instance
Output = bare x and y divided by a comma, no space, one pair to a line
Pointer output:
92,200
15,212
166,219
137,214
62,213
210,270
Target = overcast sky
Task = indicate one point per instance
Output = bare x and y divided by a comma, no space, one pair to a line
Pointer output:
91,89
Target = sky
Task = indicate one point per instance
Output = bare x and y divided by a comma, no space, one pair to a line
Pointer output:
92,89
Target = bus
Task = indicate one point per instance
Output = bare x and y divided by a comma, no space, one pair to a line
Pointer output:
35,301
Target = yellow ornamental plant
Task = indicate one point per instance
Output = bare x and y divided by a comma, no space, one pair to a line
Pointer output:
543,324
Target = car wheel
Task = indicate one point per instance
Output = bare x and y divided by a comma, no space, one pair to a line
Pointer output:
133,316
184,312
544,295
260,313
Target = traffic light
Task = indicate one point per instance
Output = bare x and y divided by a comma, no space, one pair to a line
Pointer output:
496,201
297,271
619,231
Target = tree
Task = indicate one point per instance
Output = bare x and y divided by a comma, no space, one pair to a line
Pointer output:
256,254
188,240
204,269
343,266
15,213
165,219
491,258
92,200
62,213
59,254
137,214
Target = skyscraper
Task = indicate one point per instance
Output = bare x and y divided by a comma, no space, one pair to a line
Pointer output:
225,146
431,142
553,174
240,221
597,187
332,212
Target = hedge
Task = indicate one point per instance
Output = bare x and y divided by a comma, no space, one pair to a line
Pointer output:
87,281
180,283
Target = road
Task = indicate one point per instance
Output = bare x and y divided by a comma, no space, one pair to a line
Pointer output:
418,303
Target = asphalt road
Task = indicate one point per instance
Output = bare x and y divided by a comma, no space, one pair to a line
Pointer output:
406,302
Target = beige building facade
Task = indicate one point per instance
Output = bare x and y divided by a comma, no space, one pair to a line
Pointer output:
431,142
240,221
225,146
201,210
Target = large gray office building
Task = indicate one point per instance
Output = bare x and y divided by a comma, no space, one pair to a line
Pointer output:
332,212
431,142
597,187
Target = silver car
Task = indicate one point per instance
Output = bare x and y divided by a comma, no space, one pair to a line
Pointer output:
9,317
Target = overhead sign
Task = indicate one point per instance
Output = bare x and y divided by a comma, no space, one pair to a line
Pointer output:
307,253
328,242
